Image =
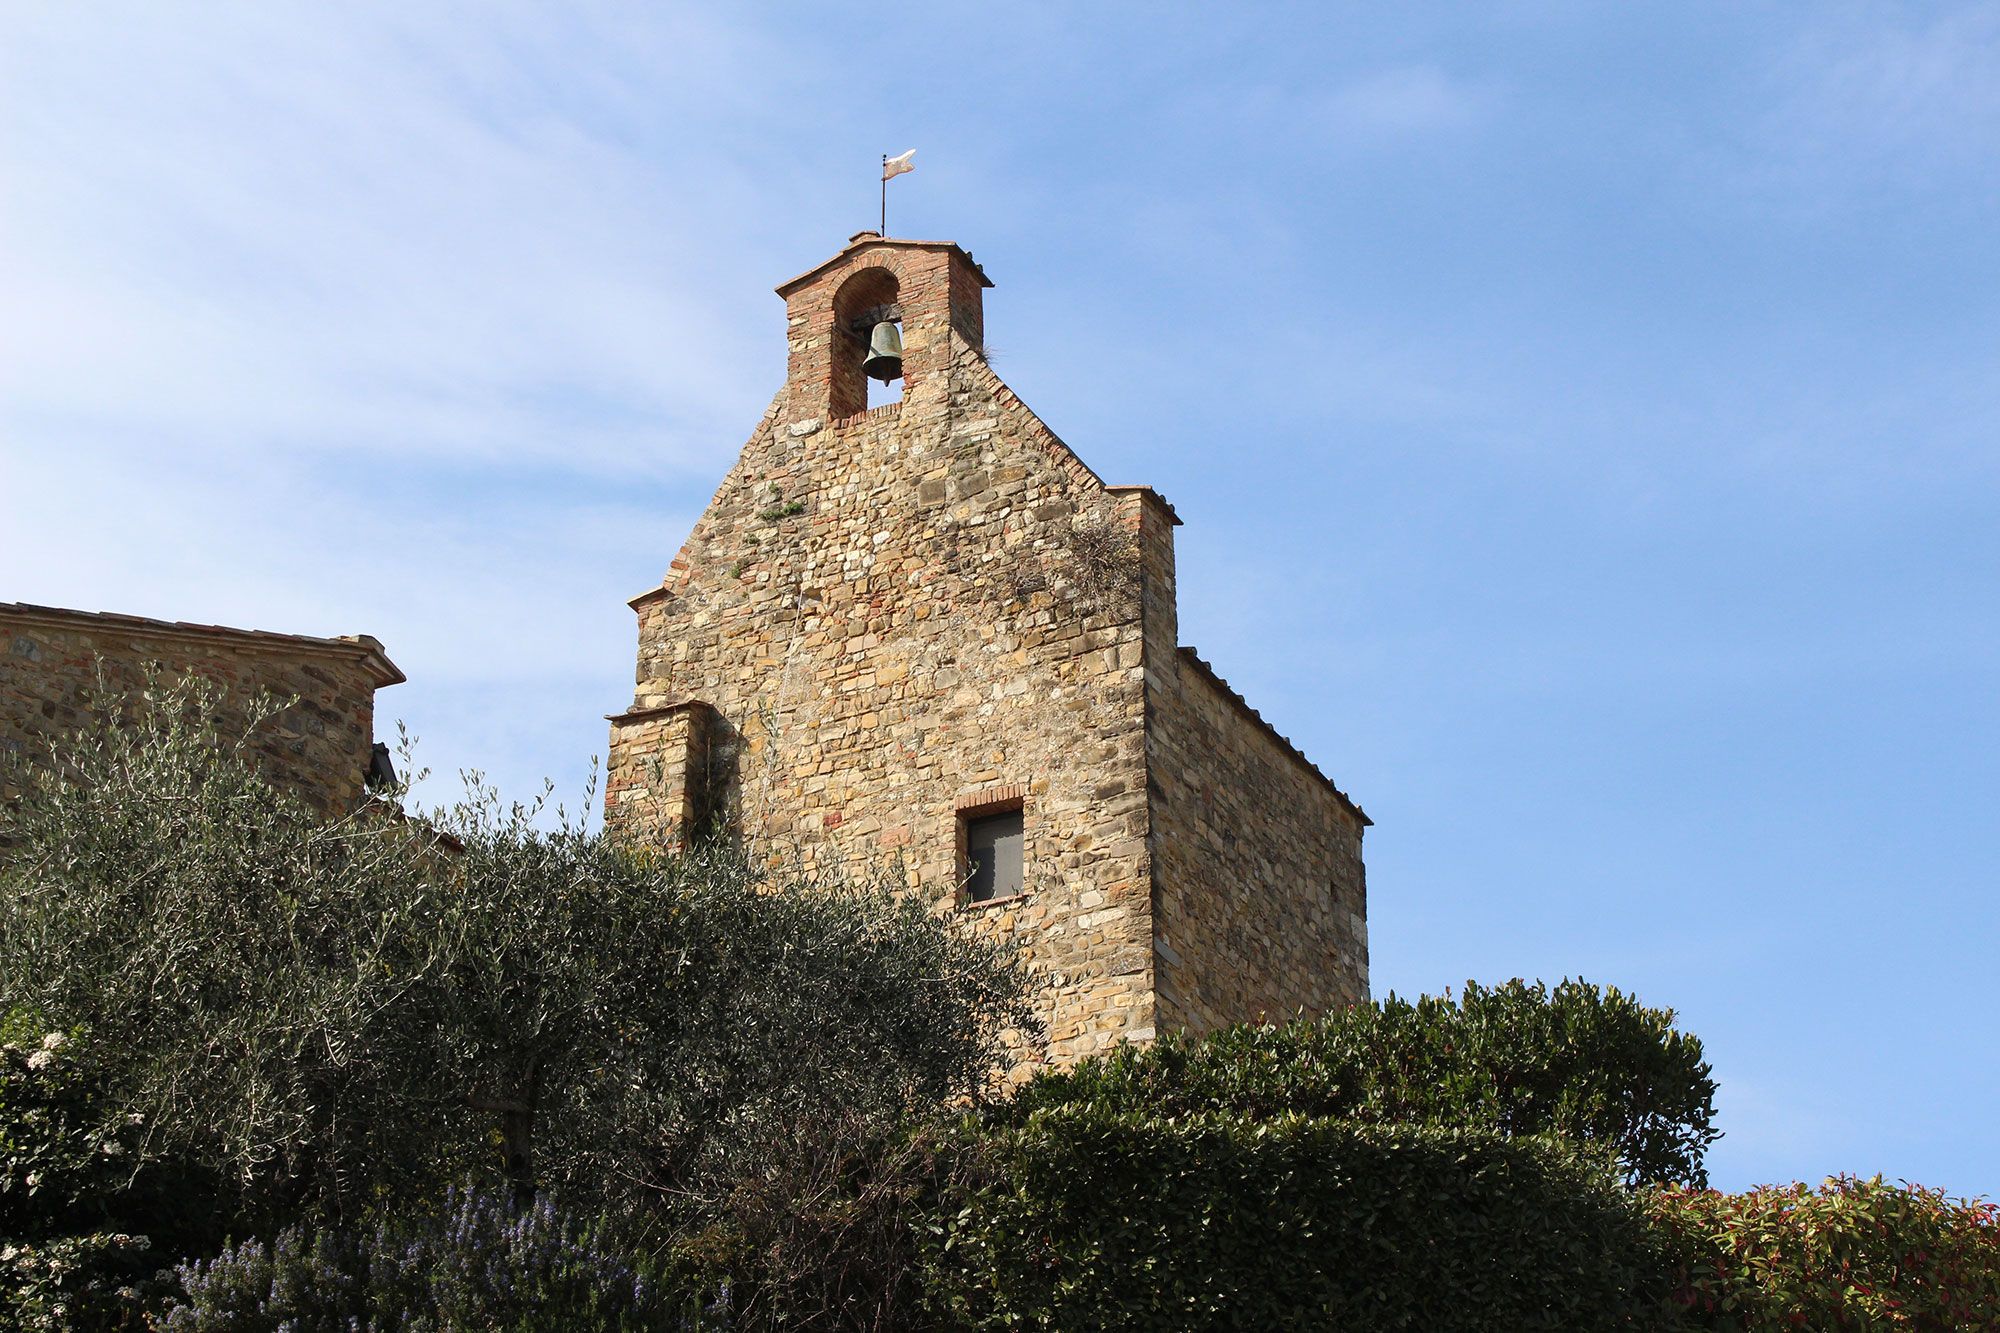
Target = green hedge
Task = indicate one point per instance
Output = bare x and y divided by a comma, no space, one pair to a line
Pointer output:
1584,1061
1853,1254
1088,1219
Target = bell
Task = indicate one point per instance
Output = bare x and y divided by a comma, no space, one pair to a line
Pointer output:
885,353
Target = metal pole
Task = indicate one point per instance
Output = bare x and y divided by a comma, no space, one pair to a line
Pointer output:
885,194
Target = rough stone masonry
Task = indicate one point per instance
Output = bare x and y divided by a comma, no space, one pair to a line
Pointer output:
892,622
320,745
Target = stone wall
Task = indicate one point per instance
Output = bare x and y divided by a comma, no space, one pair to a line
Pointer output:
889,619
1261,906
909,613
320,746
660,782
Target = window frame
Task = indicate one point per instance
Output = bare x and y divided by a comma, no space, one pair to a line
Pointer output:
968,811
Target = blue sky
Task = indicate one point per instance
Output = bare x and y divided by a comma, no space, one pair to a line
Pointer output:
1584,418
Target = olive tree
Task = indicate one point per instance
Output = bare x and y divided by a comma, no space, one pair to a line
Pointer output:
645,1024
342,1012
242,967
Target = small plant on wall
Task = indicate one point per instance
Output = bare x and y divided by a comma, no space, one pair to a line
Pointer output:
779,507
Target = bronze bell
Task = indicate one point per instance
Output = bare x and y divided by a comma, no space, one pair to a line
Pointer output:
885,353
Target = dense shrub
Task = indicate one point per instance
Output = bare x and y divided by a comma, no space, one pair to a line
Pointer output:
1587,1062
74,1282
61,1164
338,1014
828,1237
1081,1219
479,1264
1854,1254
84,1214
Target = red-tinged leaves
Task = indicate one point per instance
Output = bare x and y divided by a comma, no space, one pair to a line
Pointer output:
1854,1254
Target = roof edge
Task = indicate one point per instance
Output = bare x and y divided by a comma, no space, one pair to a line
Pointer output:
1003,394
364,647
1243,706
866,240
1149,493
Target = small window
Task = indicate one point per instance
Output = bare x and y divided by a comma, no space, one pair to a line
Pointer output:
993,856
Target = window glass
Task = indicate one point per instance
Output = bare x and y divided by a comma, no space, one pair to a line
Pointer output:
993,856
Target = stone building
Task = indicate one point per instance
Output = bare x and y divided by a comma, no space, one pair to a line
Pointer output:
925,630
321,746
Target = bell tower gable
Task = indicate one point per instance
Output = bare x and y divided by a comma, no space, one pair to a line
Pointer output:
931,289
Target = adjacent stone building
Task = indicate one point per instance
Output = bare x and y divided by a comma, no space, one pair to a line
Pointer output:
321,746
926,631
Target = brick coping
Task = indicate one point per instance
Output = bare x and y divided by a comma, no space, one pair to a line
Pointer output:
1147,492
868,240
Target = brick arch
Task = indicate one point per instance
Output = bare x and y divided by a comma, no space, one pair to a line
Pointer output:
865,298
936,296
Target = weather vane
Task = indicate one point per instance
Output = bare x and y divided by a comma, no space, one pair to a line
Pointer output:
892,166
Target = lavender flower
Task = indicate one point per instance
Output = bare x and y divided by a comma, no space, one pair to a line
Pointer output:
476,1263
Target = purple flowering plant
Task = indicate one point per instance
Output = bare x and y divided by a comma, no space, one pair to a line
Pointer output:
479,1262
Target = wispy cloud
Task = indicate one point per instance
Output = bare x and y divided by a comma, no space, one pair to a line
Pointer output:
1875,96
290,230
330,321
1405,101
